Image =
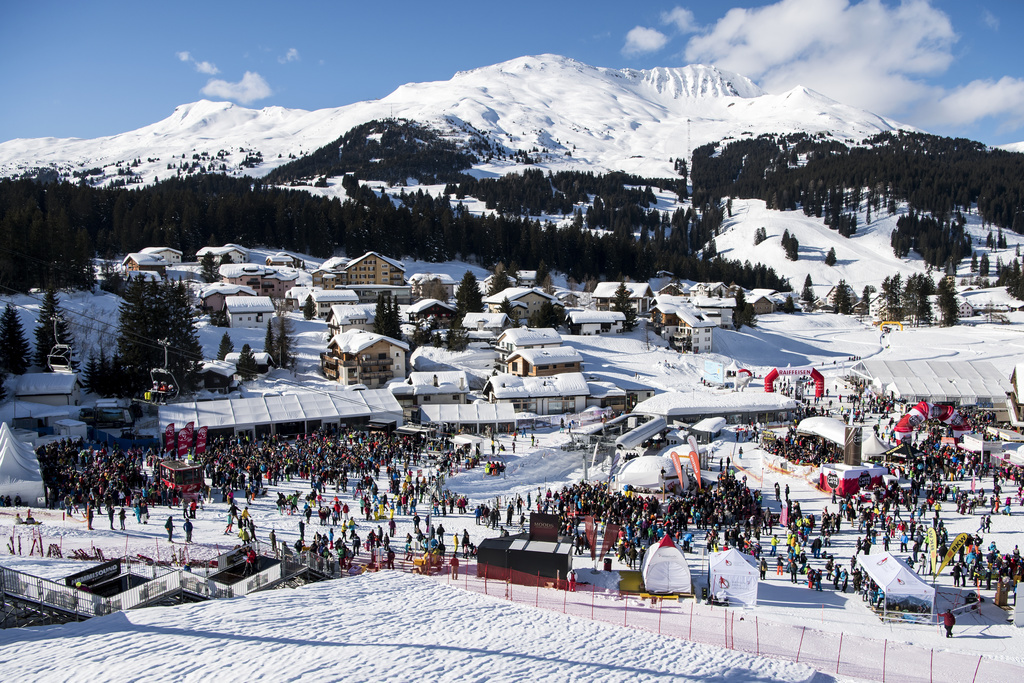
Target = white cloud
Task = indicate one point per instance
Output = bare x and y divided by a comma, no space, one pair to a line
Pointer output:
682,18
202,67
291,56
252,87
878,56
641,40
966,104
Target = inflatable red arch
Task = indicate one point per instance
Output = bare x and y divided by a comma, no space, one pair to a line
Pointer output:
947,415
819,380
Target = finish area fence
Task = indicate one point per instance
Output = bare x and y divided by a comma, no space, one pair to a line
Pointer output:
737,629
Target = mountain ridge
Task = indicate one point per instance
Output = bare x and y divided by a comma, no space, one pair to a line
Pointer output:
584,118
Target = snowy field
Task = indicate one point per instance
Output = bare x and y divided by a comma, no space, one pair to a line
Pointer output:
369,627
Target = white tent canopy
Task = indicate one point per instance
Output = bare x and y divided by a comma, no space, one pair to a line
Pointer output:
904,590
826,427
963,382
733,576
19,469
665,569
645,472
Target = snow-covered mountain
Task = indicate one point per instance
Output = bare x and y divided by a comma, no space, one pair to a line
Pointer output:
576,116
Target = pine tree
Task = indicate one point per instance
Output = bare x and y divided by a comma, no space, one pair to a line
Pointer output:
50,312
499,280
308,308
226,347
152,317
284,342
789,306
468,297
843,300
807,295
208,268
830,257
457,338
269,343
247,368
947,302
622,303
14,348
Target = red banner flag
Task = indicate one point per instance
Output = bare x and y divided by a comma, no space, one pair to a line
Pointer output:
201,440
695,459
169,437
611,535
679,468
185,439
591,531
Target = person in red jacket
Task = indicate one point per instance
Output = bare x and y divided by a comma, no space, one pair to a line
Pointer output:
949,621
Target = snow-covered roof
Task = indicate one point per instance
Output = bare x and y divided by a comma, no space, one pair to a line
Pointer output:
606,290
513,293
393,262
683,403
159,250
145,259
469,413
530,336
604,390
355,341
505,386
583,316
248,304
220,251
471,321
219,367
46,383
327,295
553,354
710,425
345,314
261,358
756,294
300,293
247,412
939,381
424,304
225,288
443,278
233,270
334,263
713,302
679,307
419,383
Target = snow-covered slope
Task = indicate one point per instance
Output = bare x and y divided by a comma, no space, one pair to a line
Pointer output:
577,116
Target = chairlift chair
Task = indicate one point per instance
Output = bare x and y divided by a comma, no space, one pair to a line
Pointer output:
165,386
59,358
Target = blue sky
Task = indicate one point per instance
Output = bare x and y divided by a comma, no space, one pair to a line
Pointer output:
84,69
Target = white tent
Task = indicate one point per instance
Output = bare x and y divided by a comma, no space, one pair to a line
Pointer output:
904,590
665,570
733,576
645,473
19,469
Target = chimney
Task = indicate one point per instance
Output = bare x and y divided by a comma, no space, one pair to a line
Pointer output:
435,380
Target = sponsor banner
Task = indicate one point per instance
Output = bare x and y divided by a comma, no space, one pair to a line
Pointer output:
611,535
543,527
169,437
695,459
185,440
853,446
591,531
714,372
679,467
201,440
954,548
